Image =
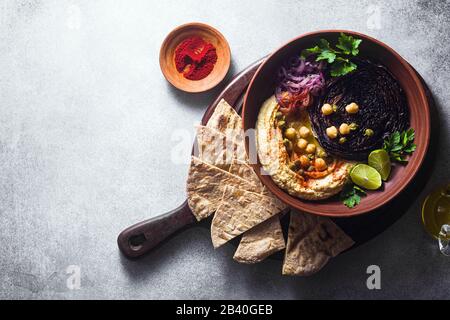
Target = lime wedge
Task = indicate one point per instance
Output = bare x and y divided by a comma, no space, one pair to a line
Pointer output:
379,159
366,177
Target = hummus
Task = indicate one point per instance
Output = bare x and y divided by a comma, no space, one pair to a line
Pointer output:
317,176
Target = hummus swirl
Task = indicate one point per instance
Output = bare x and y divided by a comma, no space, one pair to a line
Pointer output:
275,161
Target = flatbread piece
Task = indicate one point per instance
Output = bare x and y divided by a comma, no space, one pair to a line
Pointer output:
239,211
225,118
312,241
260,242
205,187
214,148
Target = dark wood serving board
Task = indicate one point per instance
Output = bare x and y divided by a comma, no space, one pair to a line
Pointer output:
138,239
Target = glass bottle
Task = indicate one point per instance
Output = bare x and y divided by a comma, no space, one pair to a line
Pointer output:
436,217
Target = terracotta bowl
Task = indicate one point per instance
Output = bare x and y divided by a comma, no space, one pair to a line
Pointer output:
209,34
262,87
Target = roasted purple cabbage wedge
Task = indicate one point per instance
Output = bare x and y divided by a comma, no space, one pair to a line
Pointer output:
382,105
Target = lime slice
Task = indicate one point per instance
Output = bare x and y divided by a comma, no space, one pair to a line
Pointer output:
379,159
366,177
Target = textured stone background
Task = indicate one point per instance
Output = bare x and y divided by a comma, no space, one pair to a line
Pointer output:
86,125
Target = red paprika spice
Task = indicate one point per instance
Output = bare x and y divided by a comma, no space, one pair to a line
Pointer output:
195,58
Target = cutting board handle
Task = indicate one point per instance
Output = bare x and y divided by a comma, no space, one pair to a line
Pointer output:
140,238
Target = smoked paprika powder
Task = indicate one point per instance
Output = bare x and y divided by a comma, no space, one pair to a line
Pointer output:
195,58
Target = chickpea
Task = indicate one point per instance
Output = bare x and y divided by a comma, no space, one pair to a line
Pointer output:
332,132
310,148
342,140
302,144
327,109
352,108
368,133
279,115
305,162
353,126
344,129
293,167
290,133
304,132
288,144
320,153
320,164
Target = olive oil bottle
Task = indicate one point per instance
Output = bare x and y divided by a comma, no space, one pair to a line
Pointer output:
436,216
436,210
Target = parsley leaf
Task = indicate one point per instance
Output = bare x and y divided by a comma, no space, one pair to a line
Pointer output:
310,51
330,56
348,44
352,201
339,57
351,195
324,44
326,52
400,144
341,67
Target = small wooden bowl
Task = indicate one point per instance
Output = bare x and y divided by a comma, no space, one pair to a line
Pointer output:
262,87
209,34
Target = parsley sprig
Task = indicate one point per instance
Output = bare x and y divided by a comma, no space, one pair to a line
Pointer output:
351,195
400,145
339,57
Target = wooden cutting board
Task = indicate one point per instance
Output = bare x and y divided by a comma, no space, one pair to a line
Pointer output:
140,238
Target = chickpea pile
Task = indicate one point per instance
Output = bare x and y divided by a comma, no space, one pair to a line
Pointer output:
345,128
299,144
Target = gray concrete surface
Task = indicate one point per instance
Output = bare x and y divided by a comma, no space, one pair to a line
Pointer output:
87,125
